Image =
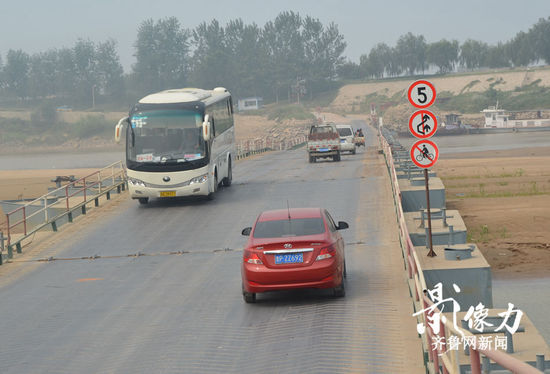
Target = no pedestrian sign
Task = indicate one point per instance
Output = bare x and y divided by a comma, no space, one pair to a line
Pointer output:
424,153
423,124
421,94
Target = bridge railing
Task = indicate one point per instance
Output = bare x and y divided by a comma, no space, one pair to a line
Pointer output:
249,147
439,357
48,208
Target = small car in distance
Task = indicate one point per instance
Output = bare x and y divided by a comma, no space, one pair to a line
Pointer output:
347,143
293,248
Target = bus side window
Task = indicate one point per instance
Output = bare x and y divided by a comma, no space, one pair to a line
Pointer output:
213,130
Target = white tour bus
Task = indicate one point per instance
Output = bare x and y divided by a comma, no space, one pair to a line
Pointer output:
179,142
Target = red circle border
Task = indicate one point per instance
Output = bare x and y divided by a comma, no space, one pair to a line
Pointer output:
431,133
413,85
415,145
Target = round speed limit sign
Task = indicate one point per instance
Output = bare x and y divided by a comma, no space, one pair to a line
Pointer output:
421,94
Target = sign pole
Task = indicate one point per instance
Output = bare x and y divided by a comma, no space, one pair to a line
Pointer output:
431,253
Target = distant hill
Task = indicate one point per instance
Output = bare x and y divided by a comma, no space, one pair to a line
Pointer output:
353,96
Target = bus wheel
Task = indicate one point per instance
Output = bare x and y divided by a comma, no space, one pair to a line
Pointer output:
211,194
143,200
227,180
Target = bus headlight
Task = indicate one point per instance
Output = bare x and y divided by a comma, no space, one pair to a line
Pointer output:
200,179
136,182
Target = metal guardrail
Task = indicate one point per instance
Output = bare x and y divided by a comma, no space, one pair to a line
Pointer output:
66,199
248,148
440,358
241,155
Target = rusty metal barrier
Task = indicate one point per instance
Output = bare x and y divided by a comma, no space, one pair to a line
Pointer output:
65,198
440,358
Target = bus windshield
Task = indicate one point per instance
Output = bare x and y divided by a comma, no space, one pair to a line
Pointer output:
165,136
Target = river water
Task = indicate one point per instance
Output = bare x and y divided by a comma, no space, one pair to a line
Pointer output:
446,144
54,160
486,142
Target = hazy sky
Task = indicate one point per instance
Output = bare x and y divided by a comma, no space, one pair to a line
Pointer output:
38,25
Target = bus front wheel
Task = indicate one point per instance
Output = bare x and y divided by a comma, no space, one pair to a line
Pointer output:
143,200
227,180
211,194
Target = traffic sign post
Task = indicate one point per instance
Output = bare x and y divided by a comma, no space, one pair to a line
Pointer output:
431,253
423,125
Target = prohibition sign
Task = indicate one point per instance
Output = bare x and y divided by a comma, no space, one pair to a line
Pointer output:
423,124
421,94
424,153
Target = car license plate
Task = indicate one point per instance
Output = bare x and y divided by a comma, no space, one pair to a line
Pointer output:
167,193
323,149
289,258
342,140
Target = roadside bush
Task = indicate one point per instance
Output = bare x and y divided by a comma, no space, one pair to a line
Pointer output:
281,113
45,113
90,126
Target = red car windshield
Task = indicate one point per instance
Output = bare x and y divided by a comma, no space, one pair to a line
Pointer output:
285,228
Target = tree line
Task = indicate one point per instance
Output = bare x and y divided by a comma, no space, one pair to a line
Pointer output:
289,57
413,55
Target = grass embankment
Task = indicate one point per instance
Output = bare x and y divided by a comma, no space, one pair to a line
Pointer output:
529,97
464,93
15,131
506,184
282,112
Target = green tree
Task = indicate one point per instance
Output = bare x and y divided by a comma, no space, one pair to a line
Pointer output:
247,57
284,50
540,34
497,57
162,55
211,58
16,73
43,73
349,70
85,68
323,53
377,61
1,74
411,52
66,73
334,45
473,54
443,54
520,50
110,81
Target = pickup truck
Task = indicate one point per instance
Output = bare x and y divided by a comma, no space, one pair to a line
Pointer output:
323,142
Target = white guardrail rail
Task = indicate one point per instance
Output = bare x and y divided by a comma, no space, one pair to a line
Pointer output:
439,358
251,147
61,204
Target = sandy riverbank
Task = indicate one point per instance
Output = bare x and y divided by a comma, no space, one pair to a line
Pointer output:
30,184
504,199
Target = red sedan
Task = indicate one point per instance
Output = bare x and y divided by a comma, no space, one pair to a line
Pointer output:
293,248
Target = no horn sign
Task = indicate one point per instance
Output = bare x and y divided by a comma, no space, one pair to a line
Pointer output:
424,153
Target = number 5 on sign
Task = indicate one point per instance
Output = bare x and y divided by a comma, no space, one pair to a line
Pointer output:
421,94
